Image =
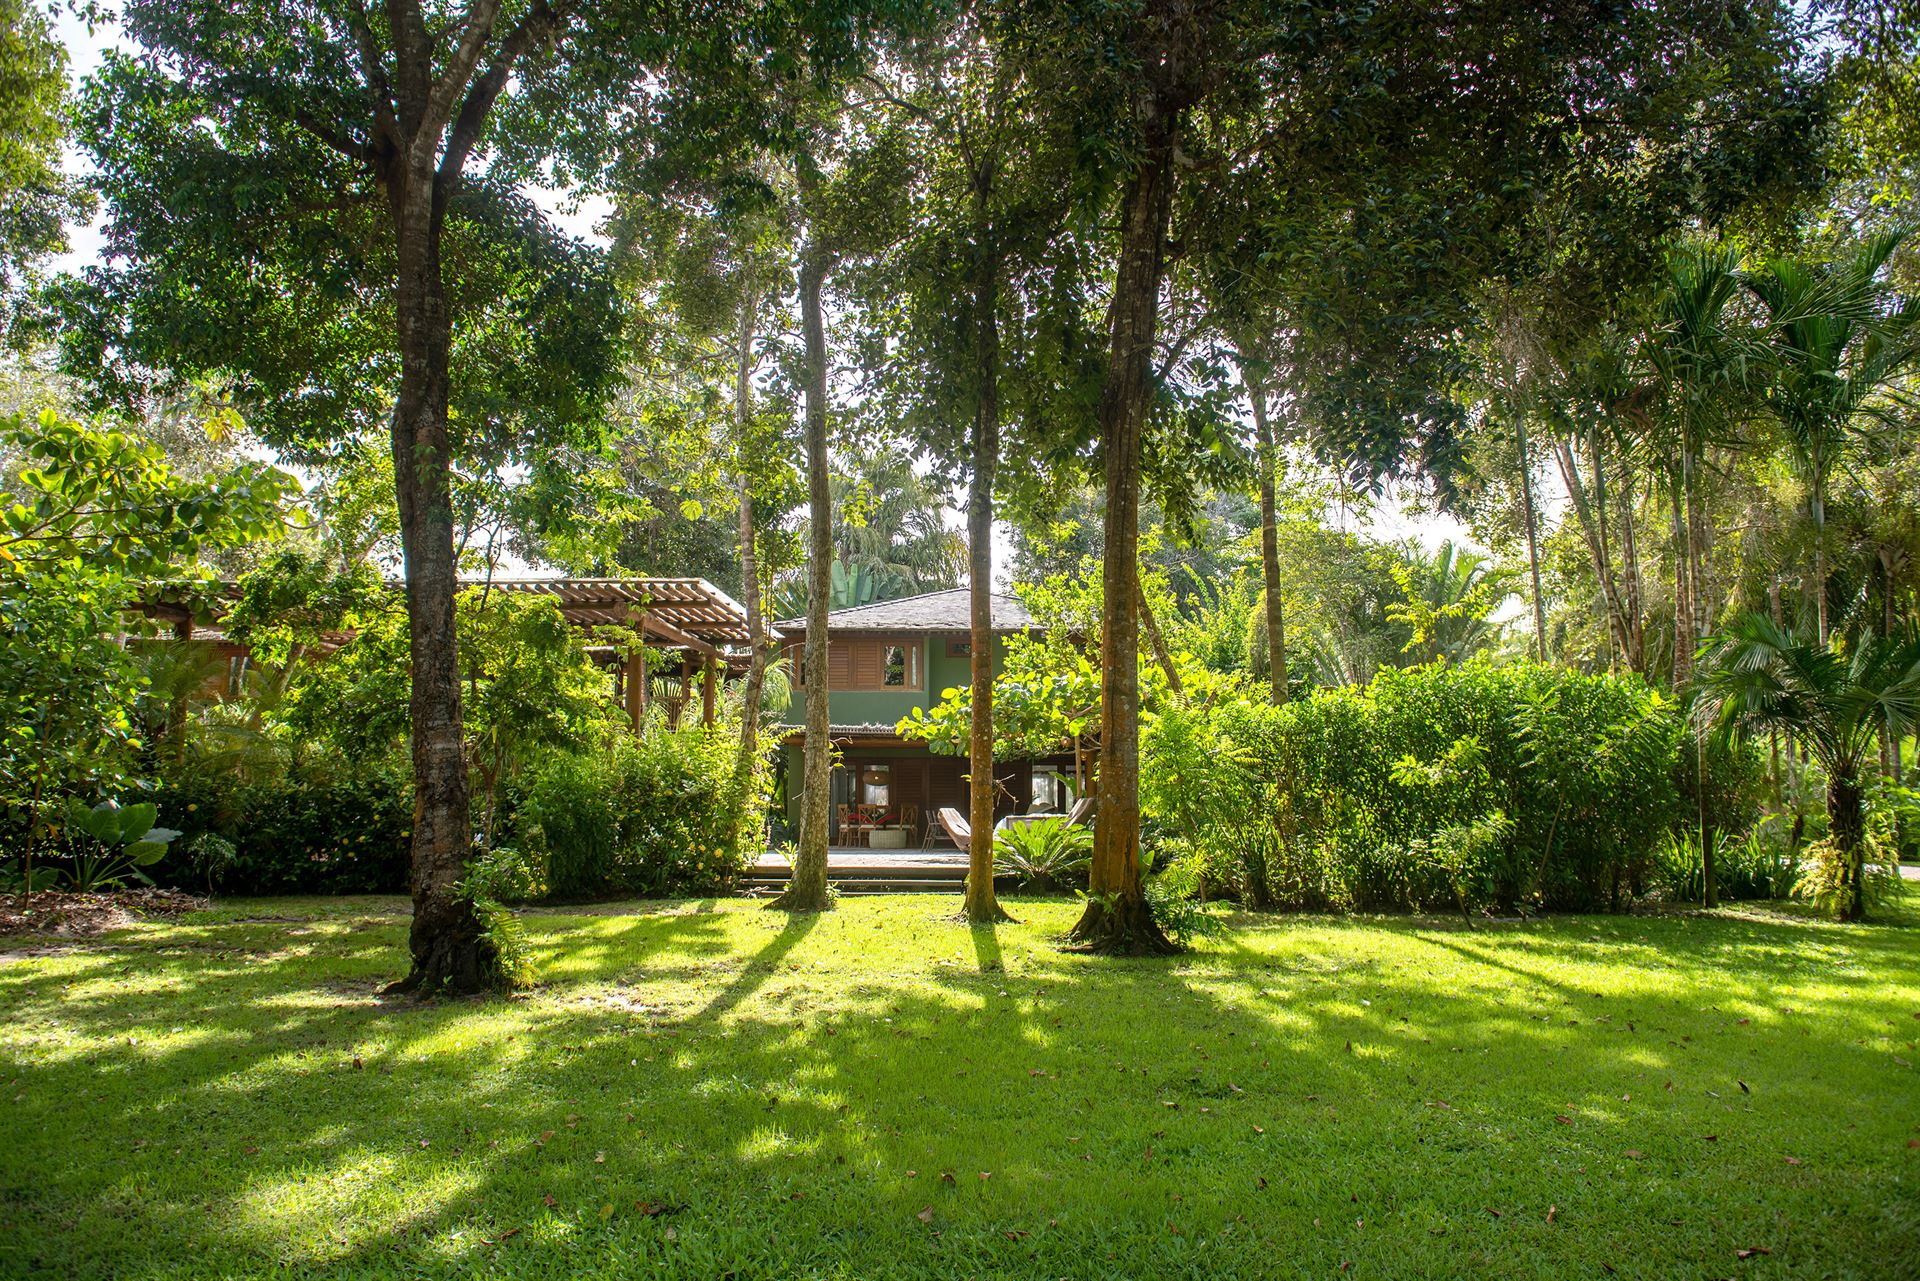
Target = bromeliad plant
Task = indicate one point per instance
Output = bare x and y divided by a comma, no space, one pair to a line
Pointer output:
111,842
1048,854
1761,676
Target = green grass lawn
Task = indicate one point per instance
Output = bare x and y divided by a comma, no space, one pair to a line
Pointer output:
711,1090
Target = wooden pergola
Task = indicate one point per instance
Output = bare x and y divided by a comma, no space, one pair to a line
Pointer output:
690,615
707,627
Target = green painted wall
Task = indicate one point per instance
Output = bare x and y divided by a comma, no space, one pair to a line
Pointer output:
881,707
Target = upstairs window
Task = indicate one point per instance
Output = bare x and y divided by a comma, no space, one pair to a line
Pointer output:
865,663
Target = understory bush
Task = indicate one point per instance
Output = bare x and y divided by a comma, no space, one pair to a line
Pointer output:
1467,787
313,825
1758,864
654,814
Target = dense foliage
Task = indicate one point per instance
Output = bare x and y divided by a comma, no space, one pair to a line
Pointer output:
644,815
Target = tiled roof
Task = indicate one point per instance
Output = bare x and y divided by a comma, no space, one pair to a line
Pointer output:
944,611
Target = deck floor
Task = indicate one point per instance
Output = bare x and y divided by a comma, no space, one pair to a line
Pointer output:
861,856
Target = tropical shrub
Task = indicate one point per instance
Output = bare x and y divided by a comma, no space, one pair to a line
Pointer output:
109,842
654,814
1048,854
1489,787
1760,863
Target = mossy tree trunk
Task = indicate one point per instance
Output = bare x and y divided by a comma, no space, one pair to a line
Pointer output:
807,888
1117,917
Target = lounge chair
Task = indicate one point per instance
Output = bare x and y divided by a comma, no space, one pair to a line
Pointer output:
957,829
1082,812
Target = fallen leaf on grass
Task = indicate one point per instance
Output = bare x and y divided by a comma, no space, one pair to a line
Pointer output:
985,1175
1495,1213
599,1158
510,1232
1016,1234
1563,1119
913,1174
1635,1153
1750,1251
946,1176
549,1201
1743,1087
1553,1212
1793,1160
1261,1181
926,1215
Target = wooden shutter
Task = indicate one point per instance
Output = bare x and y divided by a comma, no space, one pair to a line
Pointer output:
869,656
840,665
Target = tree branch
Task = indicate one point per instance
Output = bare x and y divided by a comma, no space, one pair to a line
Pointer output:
475,32
541,22
375,71
332,139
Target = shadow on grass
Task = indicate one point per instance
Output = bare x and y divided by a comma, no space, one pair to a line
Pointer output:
804,1126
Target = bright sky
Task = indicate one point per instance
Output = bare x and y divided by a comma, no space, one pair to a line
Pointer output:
1390,520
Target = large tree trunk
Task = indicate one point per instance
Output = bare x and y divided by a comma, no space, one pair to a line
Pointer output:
450,952
981,905
1270,546
749,754
1117,918
807,889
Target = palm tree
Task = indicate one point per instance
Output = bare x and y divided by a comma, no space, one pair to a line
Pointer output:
1702,360
1839,341
1449,598
1759,676
891,523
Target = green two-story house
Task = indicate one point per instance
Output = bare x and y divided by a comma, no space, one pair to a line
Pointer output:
884,660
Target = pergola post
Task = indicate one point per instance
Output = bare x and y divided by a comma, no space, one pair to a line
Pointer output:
709,688
637,670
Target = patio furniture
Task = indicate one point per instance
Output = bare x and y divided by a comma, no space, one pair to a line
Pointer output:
933,832
957,829
853,828
891,837
1082,812
1018,820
